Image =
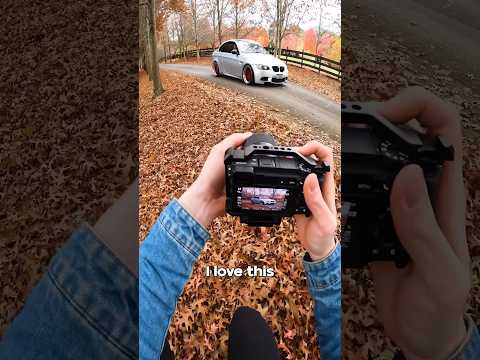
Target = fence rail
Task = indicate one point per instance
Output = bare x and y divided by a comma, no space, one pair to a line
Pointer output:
299,58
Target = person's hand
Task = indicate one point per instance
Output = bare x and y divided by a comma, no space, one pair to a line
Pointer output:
205,198
422,306
317,232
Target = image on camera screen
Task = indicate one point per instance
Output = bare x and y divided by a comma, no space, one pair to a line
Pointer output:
267,199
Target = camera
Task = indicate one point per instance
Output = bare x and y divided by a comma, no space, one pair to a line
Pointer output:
374,150
264,181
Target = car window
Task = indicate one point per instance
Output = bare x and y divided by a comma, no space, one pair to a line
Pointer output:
227,47
250,47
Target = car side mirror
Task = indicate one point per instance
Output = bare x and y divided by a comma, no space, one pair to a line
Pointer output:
234,51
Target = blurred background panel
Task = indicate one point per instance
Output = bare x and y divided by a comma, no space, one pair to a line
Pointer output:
387,46
68,128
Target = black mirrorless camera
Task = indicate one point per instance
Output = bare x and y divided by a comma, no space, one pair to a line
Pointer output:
264,181
373,152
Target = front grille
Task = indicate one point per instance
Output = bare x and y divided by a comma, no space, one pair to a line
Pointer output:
277,80
282,68
275,68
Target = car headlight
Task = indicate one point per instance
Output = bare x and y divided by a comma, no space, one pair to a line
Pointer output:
262,67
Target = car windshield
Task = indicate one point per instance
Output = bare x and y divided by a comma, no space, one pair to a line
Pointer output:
250,47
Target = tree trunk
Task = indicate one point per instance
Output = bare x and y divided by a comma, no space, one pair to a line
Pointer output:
236,19
143,37
157,85
195,26
219,22
164,50
213,23
277,29
319,32
169,47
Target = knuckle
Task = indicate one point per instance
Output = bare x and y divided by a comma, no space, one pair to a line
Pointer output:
215,148
419,91
329,151
452,111
313,143
332,227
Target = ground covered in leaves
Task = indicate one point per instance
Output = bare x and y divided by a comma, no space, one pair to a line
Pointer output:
320,83
377,70
177,131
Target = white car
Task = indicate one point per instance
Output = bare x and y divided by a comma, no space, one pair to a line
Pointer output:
249,61
269,201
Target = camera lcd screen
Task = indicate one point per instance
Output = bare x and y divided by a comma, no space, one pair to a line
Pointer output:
265,199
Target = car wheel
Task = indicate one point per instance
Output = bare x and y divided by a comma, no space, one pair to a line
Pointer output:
248,76
216,69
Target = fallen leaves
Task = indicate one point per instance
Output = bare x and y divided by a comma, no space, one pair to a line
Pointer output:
290,334
310,79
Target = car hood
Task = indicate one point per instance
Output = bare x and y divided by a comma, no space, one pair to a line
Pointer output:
264,59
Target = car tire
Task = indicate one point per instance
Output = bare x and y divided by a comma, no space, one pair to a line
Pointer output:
216,69
248,76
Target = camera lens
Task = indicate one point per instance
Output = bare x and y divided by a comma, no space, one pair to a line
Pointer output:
260,139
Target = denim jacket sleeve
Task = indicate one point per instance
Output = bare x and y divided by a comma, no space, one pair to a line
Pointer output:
324,284
84,307
167,256
470,348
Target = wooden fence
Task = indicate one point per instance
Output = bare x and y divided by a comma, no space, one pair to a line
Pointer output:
299,58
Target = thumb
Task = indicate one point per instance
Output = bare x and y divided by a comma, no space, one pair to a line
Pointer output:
313,196
415,222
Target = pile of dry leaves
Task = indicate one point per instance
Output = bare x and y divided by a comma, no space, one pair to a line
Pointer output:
177,131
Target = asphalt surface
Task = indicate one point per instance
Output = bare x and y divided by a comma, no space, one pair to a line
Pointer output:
445,32
295,100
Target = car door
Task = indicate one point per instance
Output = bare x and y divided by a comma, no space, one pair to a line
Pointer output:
236,63
220,57
224,57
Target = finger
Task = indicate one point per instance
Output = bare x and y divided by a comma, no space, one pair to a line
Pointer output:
233,140
386,277
436,115
440,118
300,221
324,153
321,151
417,228
314,198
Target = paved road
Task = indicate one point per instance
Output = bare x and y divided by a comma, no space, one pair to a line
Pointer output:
318,110
447,32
